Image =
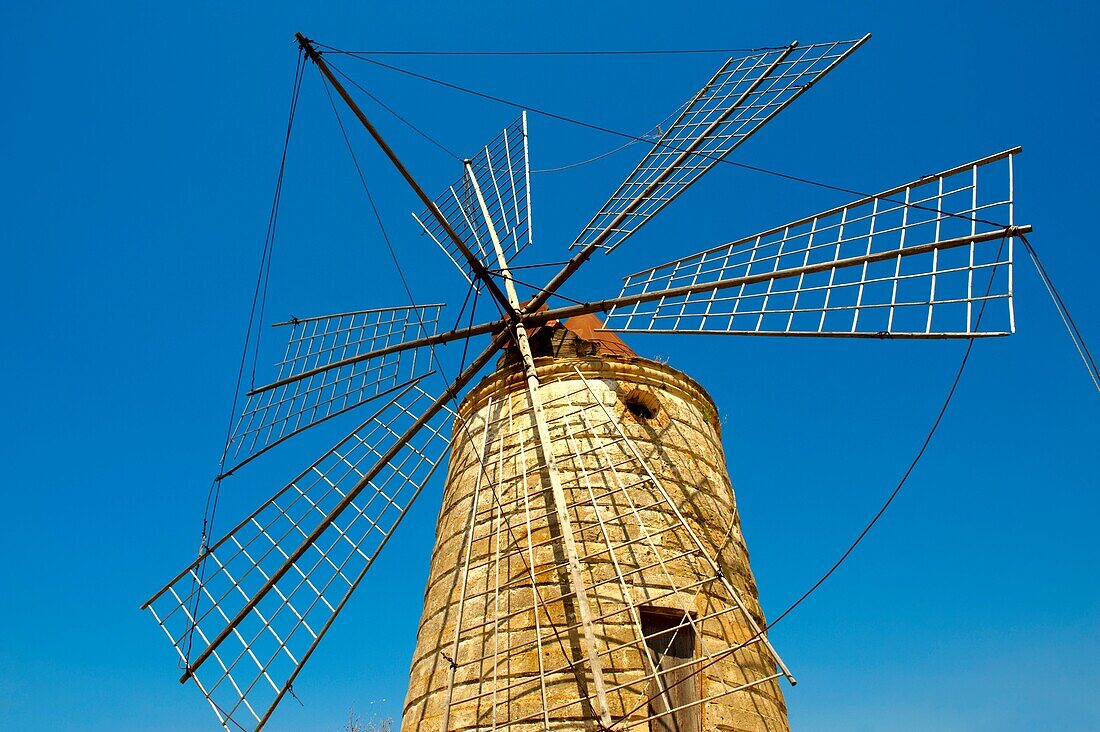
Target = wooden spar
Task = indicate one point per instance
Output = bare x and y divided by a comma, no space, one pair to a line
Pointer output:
479,268
347,500
561,511
494,326
569,311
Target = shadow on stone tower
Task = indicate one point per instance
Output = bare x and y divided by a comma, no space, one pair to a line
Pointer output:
672,603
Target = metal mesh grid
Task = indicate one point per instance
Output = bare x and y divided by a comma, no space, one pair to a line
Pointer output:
504,175
926,259
315,348
738,100
253,667
630,527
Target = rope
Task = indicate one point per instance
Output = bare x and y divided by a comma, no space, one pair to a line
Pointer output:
596,52
374,208
259,299
673,148
465,301
511,266
541,290
269,242
652,138
579,163
386,107
466,341
1063,312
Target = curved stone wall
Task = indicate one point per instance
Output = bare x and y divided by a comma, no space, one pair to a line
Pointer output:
500,645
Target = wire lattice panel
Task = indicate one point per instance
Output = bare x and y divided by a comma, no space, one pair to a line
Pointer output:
323,531
932,258
745,94
321,376
515,645
503,173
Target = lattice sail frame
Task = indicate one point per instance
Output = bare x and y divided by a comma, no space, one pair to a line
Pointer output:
929,259
741,97
503,172
251,670
315,349
510,503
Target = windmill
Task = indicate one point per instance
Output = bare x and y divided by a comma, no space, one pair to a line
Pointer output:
589,571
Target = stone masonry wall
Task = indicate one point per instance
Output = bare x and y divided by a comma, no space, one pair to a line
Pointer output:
497,603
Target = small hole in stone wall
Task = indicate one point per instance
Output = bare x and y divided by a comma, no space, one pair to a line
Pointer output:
643,405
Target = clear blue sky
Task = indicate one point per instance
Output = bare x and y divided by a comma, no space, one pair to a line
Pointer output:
139,144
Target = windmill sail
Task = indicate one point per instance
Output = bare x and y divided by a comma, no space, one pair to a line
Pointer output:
250,670
743,96
504,176
929,259
322,373
589,567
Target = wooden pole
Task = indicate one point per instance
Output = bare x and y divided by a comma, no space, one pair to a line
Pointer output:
561,508
569,311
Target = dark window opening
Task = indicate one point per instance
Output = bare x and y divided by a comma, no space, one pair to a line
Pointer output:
643,405
674,689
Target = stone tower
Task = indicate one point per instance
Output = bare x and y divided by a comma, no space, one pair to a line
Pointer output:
672,602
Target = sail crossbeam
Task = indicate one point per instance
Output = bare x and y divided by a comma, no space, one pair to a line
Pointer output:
739,99
328,368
